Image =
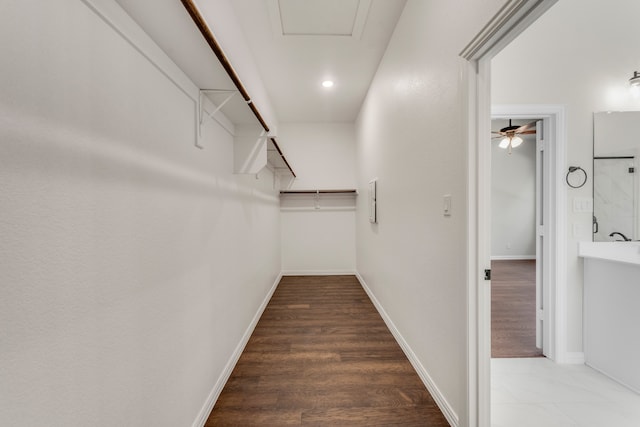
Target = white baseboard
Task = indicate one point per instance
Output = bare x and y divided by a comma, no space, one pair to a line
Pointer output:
318,272
226,372
439,398
623,383
511,257
573,358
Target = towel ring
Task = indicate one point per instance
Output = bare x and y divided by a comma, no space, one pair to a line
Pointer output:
573,169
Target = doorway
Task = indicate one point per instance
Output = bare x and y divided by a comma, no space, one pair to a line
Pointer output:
516,287
499,32
549,222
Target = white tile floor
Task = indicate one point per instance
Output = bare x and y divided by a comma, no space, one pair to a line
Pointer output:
538,392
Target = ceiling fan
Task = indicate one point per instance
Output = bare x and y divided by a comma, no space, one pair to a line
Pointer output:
509,134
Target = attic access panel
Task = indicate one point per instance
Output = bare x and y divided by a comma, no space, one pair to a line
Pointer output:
344,18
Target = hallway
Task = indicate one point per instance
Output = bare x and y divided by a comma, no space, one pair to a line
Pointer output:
322,355
144,232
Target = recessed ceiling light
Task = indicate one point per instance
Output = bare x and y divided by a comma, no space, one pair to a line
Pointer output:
327,83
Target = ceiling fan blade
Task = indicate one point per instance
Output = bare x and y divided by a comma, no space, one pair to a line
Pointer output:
527,132
527,127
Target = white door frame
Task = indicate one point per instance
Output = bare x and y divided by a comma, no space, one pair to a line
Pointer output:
506,25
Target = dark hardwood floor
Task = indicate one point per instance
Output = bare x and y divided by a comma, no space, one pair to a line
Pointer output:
321,355
513,309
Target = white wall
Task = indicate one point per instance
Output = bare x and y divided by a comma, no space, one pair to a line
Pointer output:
580,54
131,262
513,198
319,241
323,153
410,136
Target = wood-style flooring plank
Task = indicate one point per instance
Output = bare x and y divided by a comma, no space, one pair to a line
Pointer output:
321,355
513,309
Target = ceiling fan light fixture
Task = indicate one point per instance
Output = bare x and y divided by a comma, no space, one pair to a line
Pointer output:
504,143
634,81
515,141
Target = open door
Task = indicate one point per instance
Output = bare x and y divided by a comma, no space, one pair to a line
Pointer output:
540,181
543,249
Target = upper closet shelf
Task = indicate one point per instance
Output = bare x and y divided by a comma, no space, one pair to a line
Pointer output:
343,191
251,151
333,199
221,95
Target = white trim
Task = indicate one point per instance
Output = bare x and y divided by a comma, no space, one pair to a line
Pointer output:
478,360
203,415
505,26
512,257
319,272
574,358
483,213
618,380
478,381
437,395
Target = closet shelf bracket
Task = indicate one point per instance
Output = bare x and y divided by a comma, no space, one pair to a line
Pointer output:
203,113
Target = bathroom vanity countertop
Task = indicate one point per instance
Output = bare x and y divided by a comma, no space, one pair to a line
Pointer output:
627,252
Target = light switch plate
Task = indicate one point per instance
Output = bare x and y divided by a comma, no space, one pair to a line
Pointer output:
446,209
582,204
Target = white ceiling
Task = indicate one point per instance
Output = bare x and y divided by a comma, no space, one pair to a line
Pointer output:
327,18
296,44
299,43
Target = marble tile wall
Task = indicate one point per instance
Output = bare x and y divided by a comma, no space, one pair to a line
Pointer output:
613,198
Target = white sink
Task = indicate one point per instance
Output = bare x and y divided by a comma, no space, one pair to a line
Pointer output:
628,252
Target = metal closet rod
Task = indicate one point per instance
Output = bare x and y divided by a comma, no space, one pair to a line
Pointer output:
193,11
275,144
612,157
317,191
